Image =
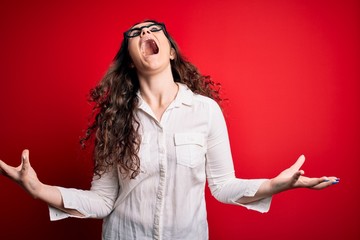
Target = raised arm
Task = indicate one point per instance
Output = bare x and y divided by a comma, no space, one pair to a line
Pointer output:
25,176
252,193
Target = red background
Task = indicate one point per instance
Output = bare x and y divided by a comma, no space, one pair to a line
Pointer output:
290,70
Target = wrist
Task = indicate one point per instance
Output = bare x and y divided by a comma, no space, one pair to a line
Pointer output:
276,187
37,190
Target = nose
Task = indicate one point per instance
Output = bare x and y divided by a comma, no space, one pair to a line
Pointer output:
145,31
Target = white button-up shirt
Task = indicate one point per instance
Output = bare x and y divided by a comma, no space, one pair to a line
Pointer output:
178,154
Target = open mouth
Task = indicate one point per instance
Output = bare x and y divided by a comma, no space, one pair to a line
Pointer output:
149,47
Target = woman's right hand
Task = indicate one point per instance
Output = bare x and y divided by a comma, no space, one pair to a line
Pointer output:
24,175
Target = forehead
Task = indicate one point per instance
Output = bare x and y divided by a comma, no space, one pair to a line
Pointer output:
139,25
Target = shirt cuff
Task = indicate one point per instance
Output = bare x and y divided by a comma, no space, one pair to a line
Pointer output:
56,214
69,202
262,205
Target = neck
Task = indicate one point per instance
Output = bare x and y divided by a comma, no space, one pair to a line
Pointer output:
158,91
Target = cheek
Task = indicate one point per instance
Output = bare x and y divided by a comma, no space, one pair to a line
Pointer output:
166,46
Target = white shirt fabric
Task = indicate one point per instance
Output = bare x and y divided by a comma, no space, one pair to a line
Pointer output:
188,147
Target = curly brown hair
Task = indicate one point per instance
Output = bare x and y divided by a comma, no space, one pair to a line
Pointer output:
115,126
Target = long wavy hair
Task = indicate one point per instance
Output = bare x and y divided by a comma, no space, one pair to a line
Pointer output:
115,127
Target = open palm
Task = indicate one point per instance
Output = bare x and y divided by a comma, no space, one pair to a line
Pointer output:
293,178
24,174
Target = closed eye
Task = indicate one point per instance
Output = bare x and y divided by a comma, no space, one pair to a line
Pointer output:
134,32
155,28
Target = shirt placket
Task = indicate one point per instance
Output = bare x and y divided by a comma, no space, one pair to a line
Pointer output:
160,195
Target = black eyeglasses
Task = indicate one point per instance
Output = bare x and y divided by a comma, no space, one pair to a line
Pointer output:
153,27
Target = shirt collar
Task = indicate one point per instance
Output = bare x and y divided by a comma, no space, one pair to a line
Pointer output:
185,96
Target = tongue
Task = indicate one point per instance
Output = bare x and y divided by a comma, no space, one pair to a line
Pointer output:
149,47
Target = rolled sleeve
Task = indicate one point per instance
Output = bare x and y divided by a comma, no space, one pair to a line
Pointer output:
97,202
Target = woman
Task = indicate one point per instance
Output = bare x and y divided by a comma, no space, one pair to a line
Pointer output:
159,136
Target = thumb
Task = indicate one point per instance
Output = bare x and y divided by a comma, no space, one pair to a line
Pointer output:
3,166
299,162
7,170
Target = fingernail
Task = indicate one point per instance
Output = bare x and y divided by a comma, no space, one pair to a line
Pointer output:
337,181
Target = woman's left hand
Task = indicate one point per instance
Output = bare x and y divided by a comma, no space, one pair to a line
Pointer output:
293,178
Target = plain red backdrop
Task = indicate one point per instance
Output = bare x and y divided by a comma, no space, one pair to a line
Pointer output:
290,70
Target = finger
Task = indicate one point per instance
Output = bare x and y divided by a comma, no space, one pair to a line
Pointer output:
25,160
320,183
297,175
326,182
299,162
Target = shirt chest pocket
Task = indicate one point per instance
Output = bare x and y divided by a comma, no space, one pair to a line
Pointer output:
190,149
